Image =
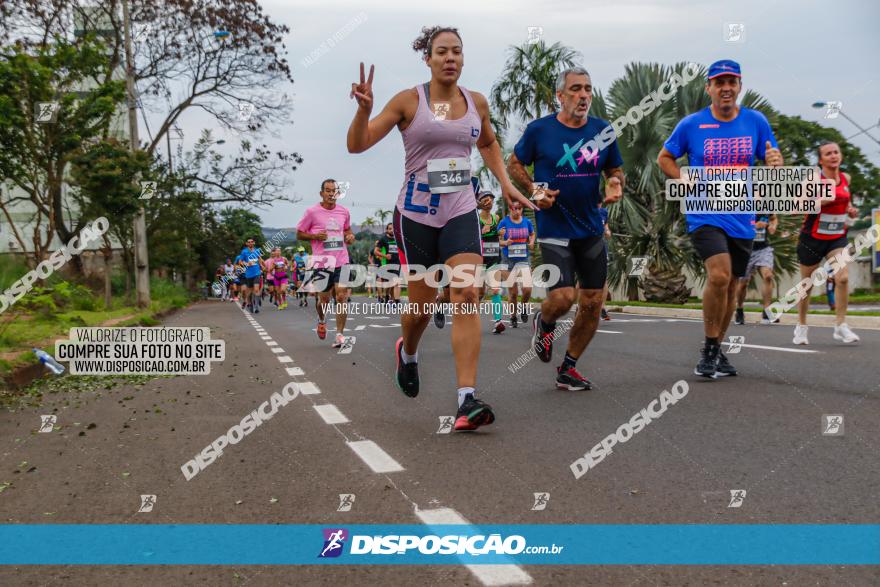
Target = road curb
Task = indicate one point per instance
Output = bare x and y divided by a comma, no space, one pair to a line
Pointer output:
856,322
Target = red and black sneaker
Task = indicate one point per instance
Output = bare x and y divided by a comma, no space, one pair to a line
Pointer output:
571,380
473,413
407,378
542,341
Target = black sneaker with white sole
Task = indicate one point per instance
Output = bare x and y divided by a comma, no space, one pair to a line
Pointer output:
407,378
740,316
723,367
707,367
571,380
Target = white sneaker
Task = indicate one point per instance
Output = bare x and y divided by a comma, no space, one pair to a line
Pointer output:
800,334
844,334
340,340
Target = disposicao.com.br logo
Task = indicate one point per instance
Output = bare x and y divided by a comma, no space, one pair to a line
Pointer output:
429,544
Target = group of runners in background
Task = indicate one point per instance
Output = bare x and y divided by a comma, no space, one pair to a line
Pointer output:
249,278
442,217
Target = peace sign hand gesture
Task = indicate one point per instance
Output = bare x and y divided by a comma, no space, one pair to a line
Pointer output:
363,92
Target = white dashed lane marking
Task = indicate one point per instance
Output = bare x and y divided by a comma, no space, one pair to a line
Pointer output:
772,348
511,574
307,387
331,414
377,459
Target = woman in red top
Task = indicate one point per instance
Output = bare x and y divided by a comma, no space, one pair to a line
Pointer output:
822,237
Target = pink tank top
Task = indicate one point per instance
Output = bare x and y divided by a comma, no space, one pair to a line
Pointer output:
436,185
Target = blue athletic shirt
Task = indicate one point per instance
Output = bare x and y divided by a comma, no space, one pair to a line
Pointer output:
709,142
562,160
247,256
519,233
300,260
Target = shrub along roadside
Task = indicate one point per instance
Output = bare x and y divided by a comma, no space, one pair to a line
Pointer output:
50,310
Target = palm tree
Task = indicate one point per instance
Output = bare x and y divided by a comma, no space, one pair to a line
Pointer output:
644,223
526,90
382,215
527,86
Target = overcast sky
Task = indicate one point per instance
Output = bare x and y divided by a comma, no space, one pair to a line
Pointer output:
794,53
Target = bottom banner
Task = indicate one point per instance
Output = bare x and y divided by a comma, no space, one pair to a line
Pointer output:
525,544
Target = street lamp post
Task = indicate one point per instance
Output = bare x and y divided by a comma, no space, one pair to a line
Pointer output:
854,123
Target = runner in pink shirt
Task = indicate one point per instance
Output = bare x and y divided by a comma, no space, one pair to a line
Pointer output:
435,219
328,226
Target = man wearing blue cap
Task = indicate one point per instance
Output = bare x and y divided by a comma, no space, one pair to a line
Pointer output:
722,135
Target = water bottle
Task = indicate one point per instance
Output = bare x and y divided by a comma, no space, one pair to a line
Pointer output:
49,361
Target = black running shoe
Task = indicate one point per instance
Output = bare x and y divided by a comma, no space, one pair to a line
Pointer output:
571,380
473,413
604,314
439,319
407,373
513,321
707,365
740,316
723,366
542,341
524,316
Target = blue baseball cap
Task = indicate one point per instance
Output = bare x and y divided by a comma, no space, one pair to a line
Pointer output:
723,67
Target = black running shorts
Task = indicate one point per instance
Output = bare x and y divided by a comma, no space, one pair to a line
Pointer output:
585,258
490,262
250,281
323,280
812,251
712,240
420,244
393,269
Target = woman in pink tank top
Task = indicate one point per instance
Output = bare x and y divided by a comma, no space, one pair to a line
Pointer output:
435,219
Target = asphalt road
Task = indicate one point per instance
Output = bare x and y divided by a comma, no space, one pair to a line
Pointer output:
760,431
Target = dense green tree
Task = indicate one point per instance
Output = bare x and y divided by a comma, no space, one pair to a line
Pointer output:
34,155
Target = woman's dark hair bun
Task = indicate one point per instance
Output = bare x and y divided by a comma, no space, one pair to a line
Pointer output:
424,41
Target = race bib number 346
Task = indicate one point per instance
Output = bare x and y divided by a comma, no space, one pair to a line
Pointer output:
446,176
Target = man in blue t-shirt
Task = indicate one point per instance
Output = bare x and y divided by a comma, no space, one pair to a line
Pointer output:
722,135
252,259
516,235
564,148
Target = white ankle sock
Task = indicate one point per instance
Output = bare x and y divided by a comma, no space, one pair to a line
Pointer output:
407,359
462,392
